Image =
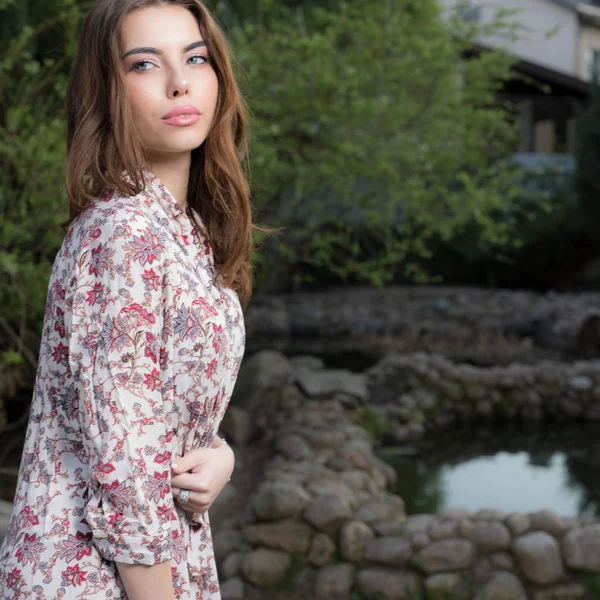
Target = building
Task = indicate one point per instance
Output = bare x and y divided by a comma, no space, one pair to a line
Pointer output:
558,48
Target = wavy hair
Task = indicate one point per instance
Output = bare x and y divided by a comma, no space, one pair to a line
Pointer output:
102,142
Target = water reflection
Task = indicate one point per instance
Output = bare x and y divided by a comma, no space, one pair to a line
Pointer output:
508,467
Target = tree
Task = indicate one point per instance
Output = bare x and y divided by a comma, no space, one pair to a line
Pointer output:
371,129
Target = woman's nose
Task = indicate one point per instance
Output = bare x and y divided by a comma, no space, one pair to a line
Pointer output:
178,86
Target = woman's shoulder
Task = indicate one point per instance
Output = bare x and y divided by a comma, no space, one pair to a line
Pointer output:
114,221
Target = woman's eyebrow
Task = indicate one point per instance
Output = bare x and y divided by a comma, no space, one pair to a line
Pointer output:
151,50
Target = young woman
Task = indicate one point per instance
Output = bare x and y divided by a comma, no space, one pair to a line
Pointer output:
143,332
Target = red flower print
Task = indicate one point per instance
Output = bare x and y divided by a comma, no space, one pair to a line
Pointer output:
73,576
60,353
99,260
161,459
106,468
13,578
152,380
59,324
29,549
95,294
152,279
157,486
96,233
29,518
211,368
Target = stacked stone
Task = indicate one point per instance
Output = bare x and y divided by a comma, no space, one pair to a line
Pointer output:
458,314
422,391
322,520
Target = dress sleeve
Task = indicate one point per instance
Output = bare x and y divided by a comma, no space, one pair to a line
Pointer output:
115,358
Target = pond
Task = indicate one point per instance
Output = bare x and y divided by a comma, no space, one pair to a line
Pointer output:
510,467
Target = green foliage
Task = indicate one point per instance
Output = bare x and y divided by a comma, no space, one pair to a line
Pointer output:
372,135
373,422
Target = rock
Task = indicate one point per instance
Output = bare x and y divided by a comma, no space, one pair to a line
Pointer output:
440,530
323,439
419,540
328,512
231,565
309,362
388,584
275,501
382,508
353,537
454,513
294,447
324,383
503,561
483,570
538,554
289,535
581,383
446,555
383,528
503,586
237,425
391,551
581,548
334,581
258,372
446,585
518,523
321,550
268,316
567,591
323,485
264,567
546,520
232,589
467,529
489,514
225,542
491,537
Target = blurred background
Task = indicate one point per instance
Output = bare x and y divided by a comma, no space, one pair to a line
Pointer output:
418,408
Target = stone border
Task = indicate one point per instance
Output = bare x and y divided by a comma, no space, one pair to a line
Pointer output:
323,521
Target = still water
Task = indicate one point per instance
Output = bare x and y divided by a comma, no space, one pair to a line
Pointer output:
508,467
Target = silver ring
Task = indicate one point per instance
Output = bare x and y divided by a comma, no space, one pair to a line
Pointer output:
183,497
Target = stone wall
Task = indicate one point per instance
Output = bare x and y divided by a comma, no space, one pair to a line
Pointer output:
456,313
322,521
416,392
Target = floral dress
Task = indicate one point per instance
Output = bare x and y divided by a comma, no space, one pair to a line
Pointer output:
140,351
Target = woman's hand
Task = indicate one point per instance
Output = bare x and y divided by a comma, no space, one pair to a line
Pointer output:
205,473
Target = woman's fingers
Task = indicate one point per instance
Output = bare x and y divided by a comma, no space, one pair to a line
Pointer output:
193,505
188,481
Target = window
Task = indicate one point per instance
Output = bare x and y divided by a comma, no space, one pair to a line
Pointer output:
592,65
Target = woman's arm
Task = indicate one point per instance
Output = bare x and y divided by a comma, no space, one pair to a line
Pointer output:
143,582
115,343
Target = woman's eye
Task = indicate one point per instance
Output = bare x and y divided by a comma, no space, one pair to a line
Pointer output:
141,65
202,58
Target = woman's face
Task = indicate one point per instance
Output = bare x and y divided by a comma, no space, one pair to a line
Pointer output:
171,85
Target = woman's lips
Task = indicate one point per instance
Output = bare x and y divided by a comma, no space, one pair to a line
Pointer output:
181,116
182,120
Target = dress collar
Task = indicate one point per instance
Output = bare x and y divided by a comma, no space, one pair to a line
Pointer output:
159,191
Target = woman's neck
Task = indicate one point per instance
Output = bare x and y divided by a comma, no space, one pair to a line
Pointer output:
174,172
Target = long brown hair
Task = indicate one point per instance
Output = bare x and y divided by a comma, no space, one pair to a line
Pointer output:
102,141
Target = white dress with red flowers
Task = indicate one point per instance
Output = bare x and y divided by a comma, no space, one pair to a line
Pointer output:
140,352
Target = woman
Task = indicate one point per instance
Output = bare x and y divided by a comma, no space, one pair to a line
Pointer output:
143,332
